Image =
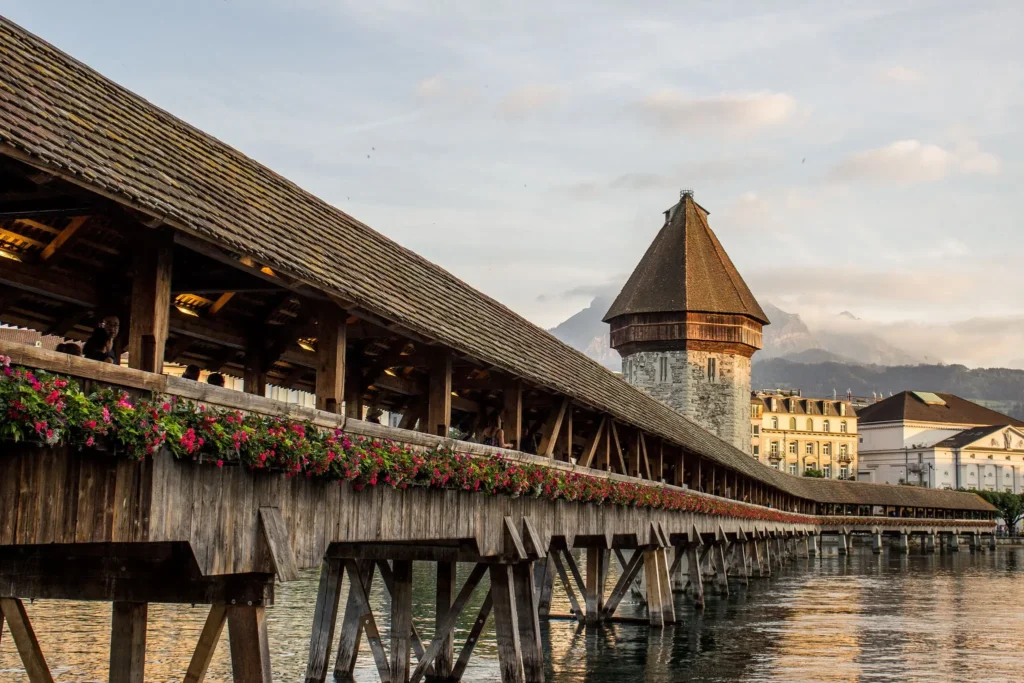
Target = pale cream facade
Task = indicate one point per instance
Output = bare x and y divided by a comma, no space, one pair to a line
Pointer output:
794,434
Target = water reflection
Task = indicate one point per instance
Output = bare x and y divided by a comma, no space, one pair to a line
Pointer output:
863,617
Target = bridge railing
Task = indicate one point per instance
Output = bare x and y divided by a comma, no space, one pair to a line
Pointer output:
92,375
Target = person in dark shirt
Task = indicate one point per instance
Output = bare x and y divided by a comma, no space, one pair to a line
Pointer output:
216,379
191,372
98,345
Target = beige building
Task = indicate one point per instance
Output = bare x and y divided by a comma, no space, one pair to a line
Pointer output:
795,434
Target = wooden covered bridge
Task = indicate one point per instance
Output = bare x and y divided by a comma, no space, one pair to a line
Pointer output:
110,206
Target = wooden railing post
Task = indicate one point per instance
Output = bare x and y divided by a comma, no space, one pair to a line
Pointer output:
151,300
330,358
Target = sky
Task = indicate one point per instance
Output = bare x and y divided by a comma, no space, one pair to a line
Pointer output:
853,156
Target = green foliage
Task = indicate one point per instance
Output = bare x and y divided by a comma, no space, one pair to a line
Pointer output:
813,473
1010,505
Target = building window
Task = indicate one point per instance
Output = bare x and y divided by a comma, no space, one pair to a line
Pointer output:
775,423
827,471
753,411
844,472
825,407
842,449
792,469
826,449
663,370
810,425
842,409
809,449
757,452
792,447
825,426
792,423
712,369
842,426
775,447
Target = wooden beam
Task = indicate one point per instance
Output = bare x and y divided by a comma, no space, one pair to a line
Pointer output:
352,625
618,447
218,305
64,239
506,624
590,447
208,639
512,412
444,595
250,648
128,642
47,283
644,460
255,366
330,352
401,620
275,533
474,636
439,399
151,301
528,622
553,425
25,640
359,590
72,316
446,625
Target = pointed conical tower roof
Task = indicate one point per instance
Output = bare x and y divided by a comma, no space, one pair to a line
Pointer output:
686,270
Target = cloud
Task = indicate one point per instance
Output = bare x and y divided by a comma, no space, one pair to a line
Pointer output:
521,103
912,161
431,87
900,74
674,111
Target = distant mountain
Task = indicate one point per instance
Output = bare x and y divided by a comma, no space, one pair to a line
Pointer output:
999,388
585,332
787,337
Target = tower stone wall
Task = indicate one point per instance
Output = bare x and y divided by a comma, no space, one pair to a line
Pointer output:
681,380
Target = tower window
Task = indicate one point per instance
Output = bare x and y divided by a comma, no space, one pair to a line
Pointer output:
663,370
712,369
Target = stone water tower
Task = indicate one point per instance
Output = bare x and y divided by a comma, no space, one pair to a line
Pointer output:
686,326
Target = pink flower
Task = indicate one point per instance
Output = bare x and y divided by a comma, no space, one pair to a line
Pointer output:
165,407
220,463
106,414
90,441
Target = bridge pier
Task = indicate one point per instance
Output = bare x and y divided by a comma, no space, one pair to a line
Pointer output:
973,542
844,547
992,541
903,542
929,542
954,542
812,548
876,542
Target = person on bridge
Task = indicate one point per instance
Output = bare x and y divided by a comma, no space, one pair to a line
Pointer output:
191,372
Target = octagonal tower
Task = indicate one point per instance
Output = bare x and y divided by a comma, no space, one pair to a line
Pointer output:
687,325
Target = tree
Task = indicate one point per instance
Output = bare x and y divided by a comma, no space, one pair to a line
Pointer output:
1010,506
814,474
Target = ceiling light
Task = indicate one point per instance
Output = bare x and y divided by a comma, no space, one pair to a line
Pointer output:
186,310
390,372
307,344
8,254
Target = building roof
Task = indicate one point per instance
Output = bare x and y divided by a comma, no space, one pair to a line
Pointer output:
686,269
912,406
797,405
60,116
970,436
863,493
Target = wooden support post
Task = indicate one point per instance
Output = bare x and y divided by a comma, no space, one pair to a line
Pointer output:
250,649
330,358
528,622
696,582
255,375
590,446
439,399
617,448
722,577
633,455
665,589
25,641
352,625
151,300
597,570
544,571
208,639
570,591
512,413
446,589
401,621
128,642
506,624
695,474
325,617
655,609
757,557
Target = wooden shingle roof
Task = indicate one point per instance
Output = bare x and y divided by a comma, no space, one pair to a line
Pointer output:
686,270
60,116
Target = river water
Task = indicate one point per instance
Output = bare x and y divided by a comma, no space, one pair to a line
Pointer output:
943,617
